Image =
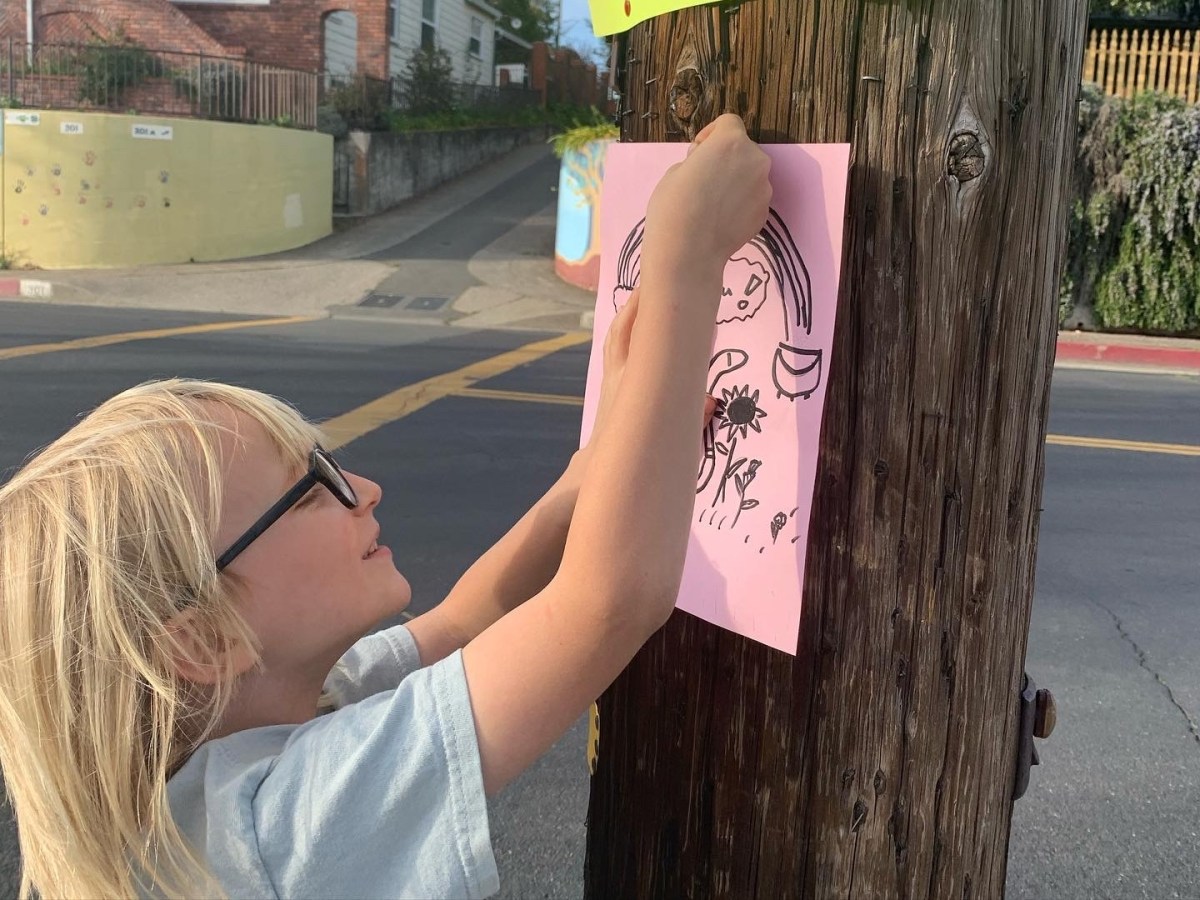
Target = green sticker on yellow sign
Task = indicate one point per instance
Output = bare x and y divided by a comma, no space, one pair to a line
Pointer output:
613,16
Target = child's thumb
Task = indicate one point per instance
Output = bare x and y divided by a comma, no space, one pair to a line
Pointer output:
710,408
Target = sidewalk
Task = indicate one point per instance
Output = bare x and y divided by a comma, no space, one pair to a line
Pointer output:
509,283
516,286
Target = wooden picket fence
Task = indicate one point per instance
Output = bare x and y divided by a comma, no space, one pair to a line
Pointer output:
1127,61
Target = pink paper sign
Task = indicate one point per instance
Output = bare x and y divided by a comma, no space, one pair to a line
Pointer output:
770,362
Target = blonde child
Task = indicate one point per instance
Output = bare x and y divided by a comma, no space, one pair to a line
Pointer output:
185,574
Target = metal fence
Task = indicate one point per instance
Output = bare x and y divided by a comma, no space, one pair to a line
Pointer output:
1127,61
127,78
368,103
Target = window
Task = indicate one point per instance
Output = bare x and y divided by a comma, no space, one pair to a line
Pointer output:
393,19
475,44
428,24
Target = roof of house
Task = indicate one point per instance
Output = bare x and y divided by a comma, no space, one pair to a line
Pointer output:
486,8
512,38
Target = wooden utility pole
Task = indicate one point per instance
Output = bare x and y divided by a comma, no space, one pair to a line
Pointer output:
880,761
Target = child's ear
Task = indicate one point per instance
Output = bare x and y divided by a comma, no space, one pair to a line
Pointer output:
195,653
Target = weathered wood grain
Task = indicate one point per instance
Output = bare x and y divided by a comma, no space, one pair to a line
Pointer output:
878,762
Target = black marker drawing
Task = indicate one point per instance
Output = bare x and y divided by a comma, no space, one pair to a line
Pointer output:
777,525
766,274
801,376
741,412
725,362
772,254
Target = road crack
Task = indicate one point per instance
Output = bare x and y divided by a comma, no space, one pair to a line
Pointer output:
1192,725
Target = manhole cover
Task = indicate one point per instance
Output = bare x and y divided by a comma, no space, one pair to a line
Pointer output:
381,301
428,302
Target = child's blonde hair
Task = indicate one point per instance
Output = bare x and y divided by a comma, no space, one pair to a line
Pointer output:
105,536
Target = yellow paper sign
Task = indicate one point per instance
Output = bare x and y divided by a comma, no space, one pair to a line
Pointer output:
612,16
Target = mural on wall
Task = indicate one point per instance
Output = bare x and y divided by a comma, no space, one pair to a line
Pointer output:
577,236
100,189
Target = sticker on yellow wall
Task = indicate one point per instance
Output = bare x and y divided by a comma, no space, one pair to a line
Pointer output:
612,16
17,117
153,132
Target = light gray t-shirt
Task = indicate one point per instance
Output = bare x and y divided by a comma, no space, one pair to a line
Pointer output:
381,798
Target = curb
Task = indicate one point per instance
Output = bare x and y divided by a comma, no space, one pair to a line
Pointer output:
1120,353
26,287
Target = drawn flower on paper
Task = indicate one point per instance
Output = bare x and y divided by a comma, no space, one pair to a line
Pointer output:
56,170
43,209
164,176
741,411
167,202
777,525
19,186
85,185
89,158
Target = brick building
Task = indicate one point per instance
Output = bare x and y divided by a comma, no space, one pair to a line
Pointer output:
373,37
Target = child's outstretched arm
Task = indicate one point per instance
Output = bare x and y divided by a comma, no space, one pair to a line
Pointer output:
522,562
533,672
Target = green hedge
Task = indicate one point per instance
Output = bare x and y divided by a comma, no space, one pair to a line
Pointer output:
1133,257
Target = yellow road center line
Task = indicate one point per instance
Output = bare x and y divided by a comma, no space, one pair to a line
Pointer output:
1059,439
404,401
520,396
1065,440
106,340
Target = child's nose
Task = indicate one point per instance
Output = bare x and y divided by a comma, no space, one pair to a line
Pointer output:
368,492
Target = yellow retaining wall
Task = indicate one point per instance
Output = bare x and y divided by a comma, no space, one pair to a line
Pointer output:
91,189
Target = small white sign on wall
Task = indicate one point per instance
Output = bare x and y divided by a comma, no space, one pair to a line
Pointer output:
18,117
152,132
70,127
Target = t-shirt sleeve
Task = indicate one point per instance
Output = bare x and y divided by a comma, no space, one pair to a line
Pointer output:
376,663
383,798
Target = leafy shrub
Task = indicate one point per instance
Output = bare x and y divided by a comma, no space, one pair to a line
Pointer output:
330,122
106,71
362,103
1133,259
427,85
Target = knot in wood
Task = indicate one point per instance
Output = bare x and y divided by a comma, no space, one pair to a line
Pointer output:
966,160
686,93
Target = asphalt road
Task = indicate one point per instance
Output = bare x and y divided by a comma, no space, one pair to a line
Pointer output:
1114,809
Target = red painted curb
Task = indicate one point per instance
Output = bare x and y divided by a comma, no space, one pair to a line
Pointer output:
10,287
1120,354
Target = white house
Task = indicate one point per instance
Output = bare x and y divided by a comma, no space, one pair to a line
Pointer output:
465,29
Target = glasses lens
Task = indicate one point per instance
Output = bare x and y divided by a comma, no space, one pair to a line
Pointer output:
334,478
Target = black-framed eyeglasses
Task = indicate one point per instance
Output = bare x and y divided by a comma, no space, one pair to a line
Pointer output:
323,470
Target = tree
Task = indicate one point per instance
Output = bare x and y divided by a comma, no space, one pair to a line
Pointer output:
536,18
1182,9
879,761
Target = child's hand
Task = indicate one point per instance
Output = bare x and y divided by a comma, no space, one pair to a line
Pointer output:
712,203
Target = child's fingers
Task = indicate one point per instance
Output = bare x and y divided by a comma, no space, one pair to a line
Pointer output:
621,331
710,409
722,121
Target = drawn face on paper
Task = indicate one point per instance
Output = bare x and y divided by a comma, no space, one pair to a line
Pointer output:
743,289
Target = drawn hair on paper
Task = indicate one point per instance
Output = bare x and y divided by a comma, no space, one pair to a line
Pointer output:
771,256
